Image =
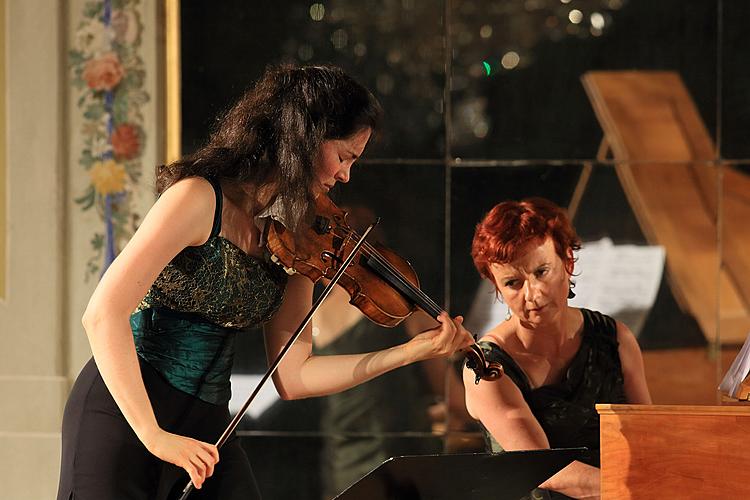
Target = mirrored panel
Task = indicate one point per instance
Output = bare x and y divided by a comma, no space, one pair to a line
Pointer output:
393,48
735,80
648,258
409,200
734,298
321,467
518,69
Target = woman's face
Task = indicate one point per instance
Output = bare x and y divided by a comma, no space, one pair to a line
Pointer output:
535,285
335,159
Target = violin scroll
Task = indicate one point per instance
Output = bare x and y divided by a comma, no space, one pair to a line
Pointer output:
483,369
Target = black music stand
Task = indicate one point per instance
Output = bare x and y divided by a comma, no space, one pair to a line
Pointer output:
500,476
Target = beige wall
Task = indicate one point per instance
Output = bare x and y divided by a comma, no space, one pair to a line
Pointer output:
43,345
3,210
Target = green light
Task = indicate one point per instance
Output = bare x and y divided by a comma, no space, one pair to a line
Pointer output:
487,67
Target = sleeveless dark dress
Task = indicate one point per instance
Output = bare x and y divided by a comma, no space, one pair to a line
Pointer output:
565,410
184,332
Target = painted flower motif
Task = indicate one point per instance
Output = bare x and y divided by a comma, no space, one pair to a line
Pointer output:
103,72
108,177
125,25
93,38
100,146
126,141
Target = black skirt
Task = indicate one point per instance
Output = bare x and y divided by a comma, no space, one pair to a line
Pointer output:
102,458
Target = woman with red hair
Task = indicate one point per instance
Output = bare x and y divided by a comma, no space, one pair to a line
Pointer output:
559,360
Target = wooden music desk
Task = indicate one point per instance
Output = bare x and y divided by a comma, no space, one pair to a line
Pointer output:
686,452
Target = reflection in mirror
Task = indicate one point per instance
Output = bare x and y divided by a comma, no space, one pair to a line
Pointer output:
393,48
735,81
633,265
608,108
516,68
734,297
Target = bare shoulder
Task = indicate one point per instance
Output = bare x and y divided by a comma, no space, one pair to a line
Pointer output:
629,349
625,336
189,203
197,187
500,334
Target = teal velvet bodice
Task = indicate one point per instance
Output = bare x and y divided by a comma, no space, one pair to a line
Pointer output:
186,324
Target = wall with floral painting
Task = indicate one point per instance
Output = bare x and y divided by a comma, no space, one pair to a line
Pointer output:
83,136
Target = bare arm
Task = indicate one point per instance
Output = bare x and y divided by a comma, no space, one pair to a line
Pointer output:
500,406
181,217
443,380
631,360
303,375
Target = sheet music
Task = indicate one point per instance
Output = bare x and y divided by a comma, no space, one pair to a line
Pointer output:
618,280
737,372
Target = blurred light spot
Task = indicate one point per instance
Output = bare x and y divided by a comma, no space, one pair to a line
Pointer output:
597,21
384,83
510,60
394,56
615,4
551,22
480,129
485,31
487,67
315,331
305,52
564,1
596,31
575,16
573,29
339,38
360,49
317,11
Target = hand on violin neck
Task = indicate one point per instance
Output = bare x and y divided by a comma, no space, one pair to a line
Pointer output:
450,336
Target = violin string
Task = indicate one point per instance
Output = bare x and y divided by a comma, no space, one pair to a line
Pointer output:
373,252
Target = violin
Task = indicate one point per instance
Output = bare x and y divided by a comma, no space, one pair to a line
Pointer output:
381,284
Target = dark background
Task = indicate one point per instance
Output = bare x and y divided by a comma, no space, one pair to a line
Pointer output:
510,134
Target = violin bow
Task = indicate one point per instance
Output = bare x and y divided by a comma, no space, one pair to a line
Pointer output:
238,417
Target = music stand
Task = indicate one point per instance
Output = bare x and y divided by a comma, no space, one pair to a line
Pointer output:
500,476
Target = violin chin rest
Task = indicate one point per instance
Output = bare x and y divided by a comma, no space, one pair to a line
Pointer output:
288,270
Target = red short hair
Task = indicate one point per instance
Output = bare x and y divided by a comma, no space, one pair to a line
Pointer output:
510,225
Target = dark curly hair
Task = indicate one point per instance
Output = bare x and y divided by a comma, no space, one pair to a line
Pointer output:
274,131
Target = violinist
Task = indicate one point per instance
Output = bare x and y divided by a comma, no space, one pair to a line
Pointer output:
162,321
558,360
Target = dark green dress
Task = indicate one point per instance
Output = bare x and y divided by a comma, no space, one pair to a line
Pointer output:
184,331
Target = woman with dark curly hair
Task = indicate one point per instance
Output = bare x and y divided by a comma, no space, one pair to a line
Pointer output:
559,360
162,321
